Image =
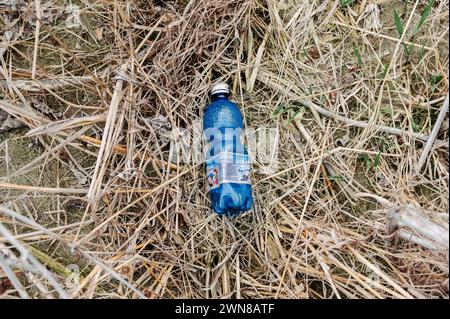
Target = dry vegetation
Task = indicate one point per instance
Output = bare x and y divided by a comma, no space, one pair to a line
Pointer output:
358,207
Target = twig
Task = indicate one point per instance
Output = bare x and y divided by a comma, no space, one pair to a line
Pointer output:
43,189
37,4
432,138
390,130
13,278
412,217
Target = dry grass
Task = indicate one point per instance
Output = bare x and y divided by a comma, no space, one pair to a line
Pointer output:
355,103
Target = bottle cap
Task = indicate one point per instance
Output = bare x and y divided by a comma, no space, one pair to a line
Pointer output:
220,88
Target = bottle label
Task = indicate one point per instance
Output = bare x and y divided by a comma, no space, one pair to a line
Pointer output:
227,167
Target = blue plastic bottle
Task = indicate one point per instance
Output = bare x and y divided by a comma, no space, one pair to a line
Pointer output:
227,160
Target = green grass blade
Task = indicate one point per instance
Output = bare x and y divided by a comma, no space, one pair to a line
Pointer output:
425,14
398,24
296,114
345,3
422,53
435,79
280,109
415,125
385,71
336,178
377,160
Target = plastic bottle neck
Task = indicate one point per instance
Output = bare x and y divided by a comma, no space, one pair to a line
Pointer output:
219,96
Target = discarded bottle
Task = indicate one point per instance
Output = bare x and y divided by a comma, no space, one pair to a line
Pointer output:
227,160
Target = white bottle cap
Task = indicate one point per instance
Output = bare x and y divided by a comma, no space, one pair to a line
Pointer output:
220,88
